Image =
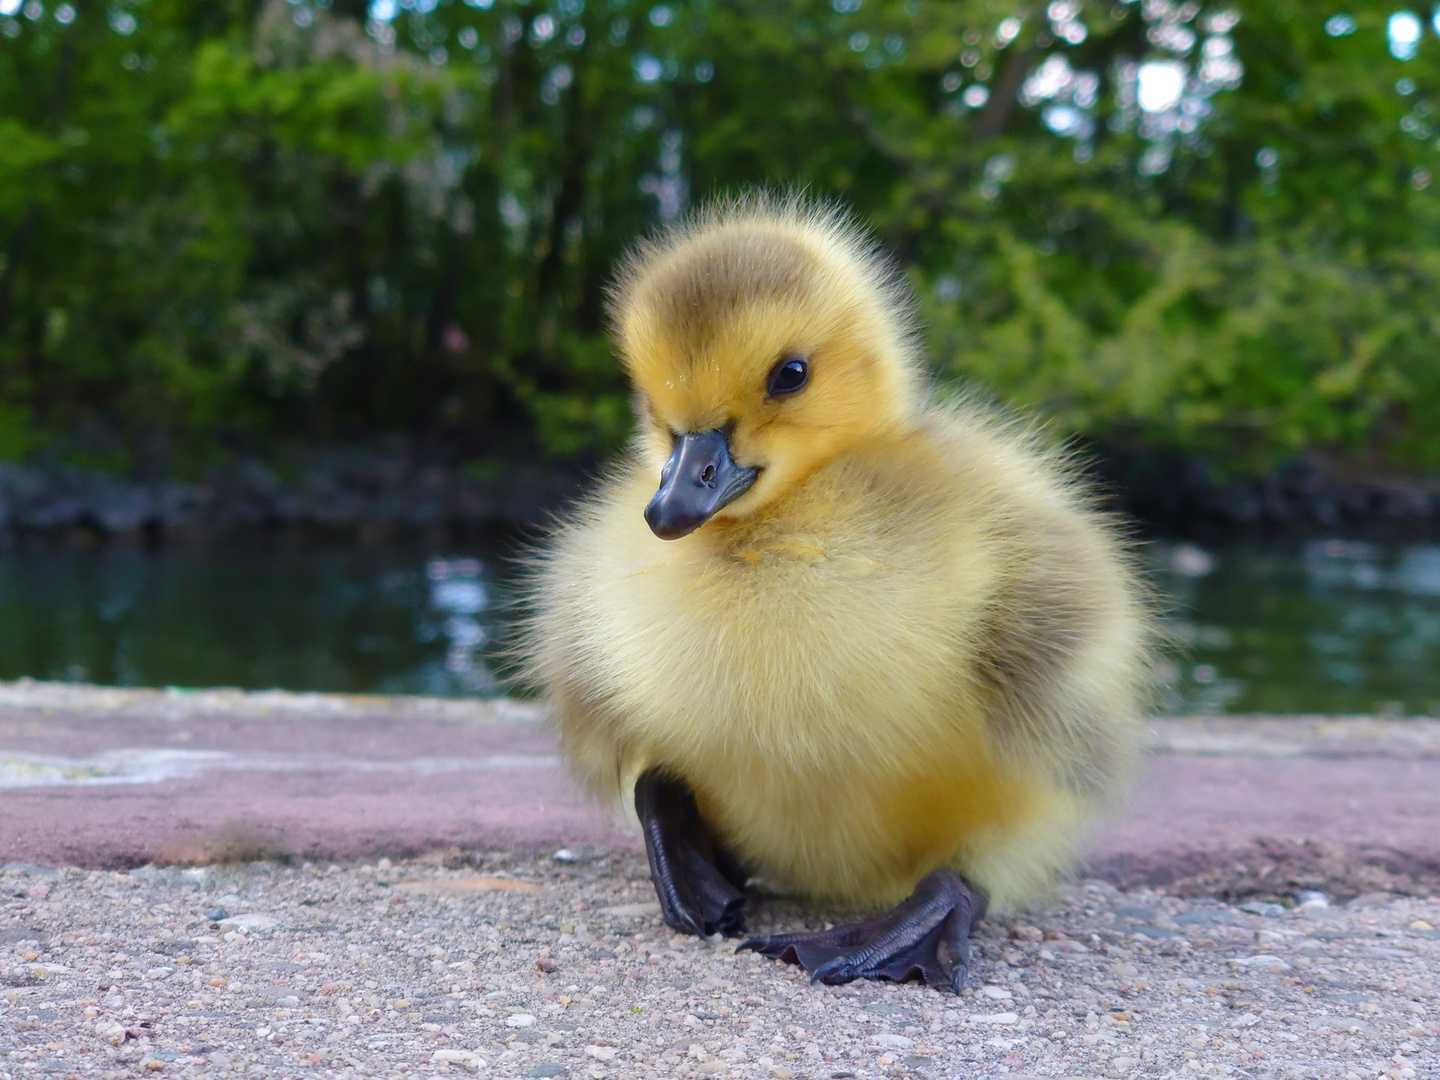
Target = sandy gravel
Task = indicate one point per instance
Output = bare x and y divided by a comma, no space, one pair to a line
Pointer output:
521,965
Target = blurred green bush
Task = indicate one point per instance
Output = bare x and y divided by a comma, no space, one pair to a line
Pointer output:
1209,228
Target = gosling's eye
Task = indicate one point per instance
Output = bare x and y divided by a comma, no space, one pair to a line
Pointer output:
789,375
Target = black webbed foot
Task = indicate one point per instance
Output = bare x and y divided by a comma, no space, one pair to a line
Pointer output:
926,937
696,881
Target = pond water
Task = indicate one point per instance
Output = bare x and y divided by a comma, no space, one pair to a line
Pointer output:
1329,626
357,620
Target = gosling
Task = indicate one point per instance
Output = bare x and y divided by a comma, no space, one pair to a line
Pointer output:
824,630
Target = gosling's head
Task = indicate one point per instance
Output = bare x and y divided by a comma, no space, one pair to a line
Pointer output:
764,338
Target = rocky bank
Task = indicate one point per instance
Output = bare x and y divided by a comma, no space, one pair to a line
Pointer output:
366,496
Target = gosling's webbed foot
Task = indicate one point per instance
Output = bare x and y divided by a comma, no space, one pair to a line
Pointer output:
697,883
925,937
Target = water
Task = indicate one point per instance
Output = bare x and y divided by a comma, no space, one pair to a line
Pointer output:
387,621
1331,626
1326,627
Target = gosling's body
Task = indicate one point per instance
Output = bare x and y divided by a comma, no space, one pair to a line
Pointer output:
858,642
930,657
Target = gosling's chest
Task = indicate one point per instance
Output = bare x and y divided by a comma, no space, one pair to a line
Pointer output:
801,653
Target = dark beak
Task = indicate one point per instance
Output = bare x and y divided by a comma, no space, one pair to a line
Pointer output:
697,481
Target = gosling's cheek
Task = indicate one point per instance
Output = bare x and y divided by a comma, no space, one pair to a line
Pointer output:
781,462
657,446
767,486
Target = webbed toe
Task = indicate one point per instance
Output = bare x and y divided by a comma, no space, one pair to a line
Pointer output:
925,937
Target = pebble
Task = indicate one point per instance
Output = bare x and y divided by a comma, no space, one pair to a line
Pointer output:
468,1058
892,1042
1269,911
250,922
115,974
1264,962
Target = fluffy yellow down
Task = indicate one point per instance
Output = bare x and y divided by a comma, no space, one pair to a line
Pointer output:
911,646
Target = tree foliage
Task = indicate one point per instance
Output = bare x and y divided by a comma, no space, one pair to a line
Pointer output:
1195,226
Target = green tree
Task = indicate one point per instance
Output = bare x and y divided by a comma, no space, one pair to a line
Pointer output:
1185,225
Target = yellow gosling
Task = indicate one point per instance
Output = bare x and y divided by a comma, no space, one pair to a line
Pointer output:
822,629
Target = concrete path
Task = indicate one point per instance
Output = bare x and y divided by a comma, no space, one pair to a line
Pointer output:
525,966
502,961
103,778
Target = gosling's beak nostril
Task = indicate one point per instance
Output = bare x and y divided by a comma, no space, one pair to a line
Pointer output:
698,480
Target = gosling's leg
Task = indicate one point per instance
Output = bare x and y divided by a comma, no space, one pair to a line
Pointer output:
926,937
696,881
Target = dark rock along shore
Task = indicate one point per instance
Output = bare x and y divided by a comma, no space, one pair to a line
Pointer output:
372,496
339,496
1311,496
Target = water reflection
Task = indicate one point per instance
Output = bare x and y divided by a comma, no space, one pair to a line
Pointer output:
1337,626
1345,563
457,593
365,621
1333,626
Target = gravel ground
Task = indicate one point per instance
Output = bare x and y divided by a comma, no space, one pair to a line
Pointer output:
508,964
